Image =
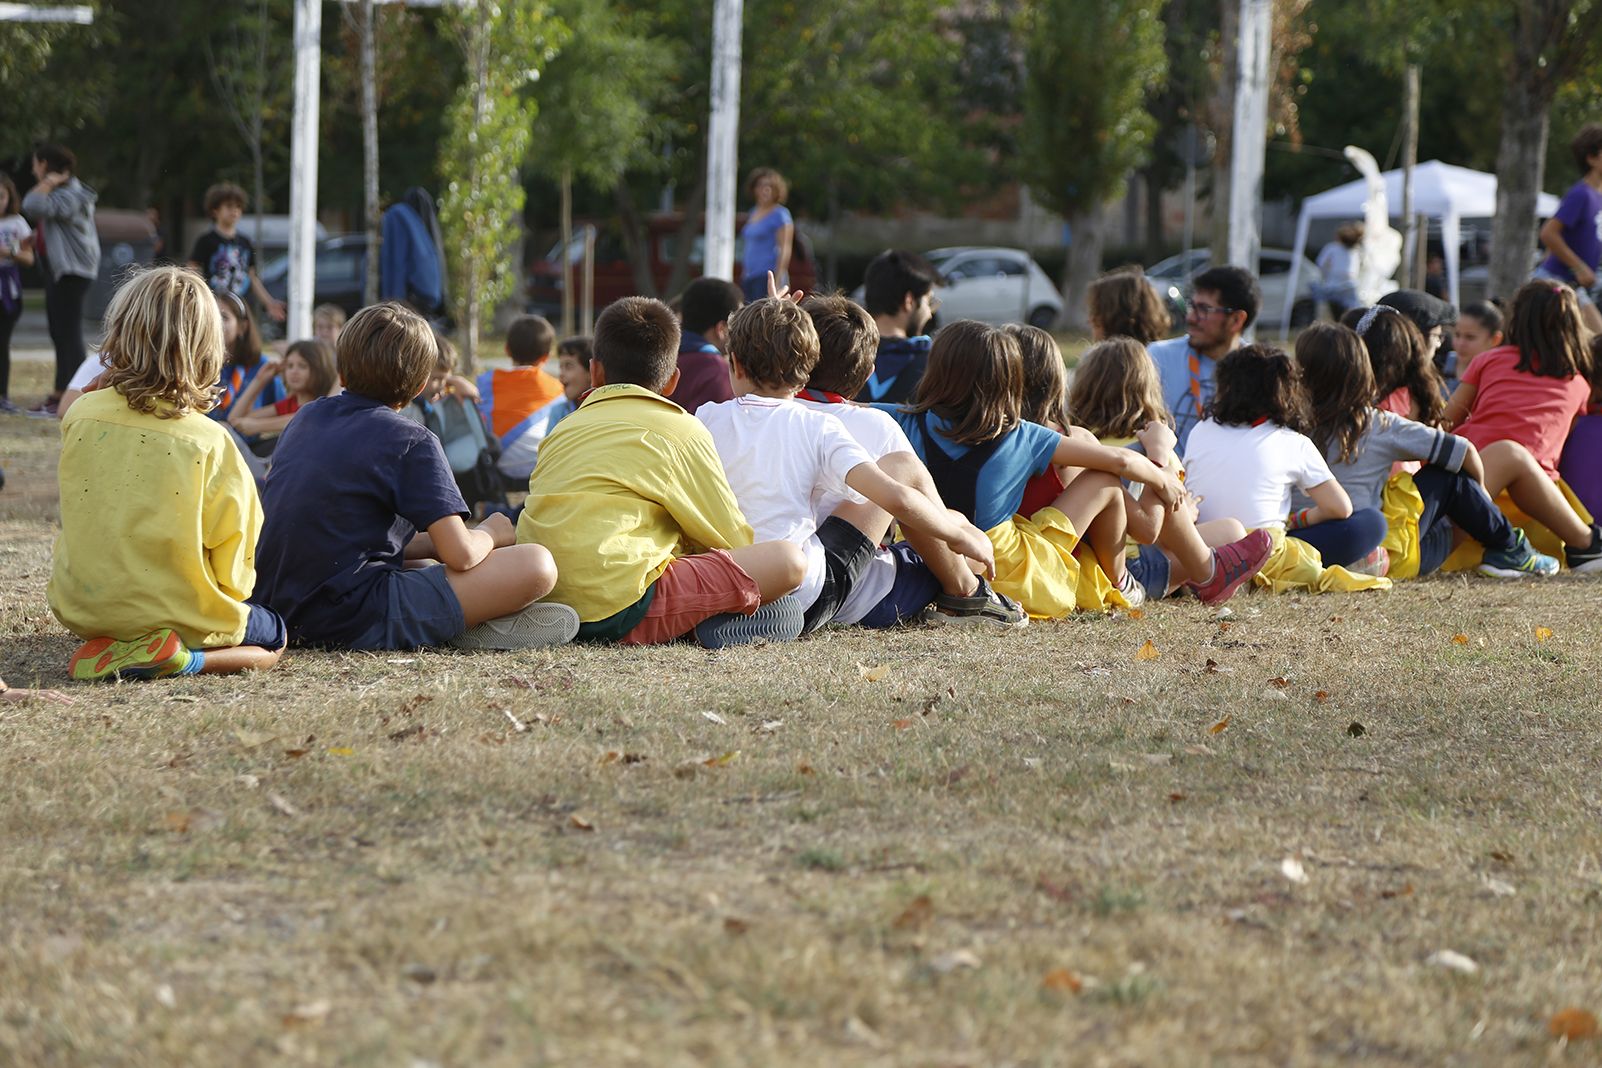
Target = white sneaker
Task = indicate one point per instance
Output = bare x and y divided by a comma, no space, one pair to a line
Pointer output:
540,624
1132,590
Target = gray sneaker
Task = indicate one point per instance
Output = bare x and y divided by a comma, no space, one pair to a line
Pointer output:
540,624
8,407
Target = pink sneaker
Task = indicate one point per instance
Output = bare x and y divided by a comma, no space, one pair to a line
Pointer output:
1233,566
1376,563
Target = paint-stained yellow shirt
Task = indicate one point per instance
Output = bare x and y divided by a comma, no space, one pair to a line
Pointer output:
624,485
159,519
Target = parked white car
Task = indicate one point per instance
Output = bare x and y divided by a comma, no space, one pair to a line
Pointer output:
1171,279
992,285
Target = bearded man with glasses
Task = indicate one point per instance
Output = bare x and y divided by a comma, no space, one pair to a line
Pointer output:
1224,302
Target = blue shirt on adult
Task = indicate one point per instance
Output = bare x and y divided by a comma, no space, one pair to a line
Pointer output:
897,370
1181,387
1022,454
352,480
762,242
1580,212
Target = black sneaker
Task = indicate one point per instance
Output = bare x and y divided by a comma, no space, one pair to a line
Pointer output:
985,605
780,620
1589,559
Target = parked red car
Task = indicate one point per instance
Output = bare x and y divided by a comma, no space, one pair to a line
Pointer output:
614,276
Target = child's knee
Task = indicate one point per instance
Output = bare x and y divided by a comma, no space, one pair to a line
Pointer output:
794,563
539,569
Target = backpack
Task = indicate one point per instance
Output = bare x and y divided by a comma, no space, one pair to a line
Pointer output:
470,449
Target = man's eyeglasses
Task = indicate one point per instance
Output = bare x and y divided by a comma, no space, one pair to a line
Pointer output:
1202,310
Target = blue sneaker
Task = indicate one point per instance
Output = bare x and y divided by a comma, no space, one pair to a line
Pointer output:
1519,561
780,620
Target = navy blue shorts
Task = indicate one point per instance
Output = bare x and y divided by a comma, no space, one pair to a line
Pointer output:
423,610
914,589
265,628
1151,569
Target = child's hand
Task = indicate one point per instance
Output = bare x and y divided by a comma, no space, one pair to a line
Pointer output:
782,292
973,544
277,309
1585,276
1168,488
1156,438
500,528
1189,507
462,387
57,696
269,369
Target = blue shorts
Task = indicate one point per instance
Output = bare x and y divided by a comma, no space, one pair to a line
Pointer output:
914,589
422,610
1151,569
265,628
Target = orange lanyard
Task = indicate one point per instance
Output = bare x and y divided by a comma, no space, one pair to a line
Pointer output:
1195,382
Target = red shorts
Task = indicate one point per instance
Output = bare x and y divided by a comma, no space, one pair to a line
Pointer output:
693,589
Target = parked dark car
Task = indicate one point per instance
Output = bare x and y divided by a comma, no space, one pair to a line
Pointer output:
341,271
614,275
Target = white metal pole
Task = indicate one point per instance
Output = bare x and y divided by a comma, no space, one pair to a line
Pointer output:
1249,138
303,167
723,138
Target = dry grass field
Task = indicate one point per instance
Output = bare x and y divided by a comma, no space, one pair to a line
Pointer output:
922,849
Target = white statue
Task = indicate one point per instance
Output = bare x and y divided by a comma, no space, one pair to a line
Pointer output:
1381,249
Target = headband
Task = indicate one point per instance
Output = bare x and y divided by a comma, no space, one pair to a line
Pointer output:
1369,316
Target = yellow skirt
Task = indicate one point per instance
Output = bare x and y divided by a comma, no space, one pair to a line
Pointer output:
1295,565
1402,506
1467,555
1036,565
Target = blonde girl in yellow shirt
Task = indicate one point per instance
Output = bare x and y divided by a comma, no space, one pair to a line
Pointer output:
159,515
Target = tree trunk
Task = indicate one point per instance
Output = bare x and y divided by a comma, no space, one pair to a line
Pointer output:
567,251
1089,232
472,297
258,178
370,150
1222,118
1156,246
635,238
1520,159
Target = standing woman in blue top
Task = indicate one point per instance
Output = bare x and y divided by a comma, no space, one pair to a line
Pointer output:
769,232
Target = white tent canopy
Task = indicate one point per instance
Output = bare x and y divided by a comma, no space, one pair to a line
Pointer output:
1440,191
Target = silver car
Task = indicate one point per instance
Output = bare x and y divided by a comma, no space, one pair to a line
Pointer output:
1171,279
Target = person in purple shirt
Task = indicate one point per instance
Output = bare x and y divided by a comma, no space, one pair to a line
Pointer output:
1573,237
704,312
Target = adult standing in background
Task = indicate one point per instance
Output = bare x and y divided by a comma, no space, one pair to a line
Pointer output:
1338,263
62,210
16,252
769,233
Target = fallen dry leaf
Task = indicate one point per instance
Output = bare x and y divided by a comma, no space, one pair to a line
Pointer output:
1574,1024
282,806
1405,891
1223,626
873,674
946,963
1220,727
903,724
579,823
767,726
1147,651
1198,750
1356,729
1321,696
804,768
1175,797
296,754
1498,887
253,739
612,756
734,926
1063,980
309,1013
1453,961
721,761
345,750
915,915
517,726
1291,868
1460,639
1212,666
1137,613
1279,680
1543,633
715,718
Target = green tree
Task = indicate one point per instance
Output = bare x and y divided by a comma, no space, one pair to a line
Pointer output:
505,44
1089,65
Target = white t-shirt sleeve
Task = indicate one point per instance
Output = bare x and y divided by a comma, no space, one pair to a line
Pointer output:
838,453
86,372
1311,467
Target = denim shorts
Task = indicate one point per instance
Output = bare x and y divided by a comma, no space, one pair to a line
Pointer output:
915,589
1151,569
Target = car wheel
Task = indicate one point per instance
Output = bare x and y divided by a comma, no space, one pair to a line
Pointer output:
1044,317
1303,312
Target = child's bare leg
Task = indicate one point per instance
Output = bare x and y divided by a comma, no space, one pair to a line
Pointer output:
508,580
955,575
1193,559
1094,504
239,658
777,566
1216,532
1509,466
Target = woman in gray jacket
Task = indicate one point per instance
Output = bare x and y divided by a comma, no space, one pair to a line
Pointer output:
62,210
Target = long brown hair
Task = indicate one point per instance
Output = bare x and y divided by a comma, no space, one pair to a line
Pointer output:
974,381
1399,356
245,349
1123,303
1340,387
1116,391
1546,326
319,357
1045,382
1259,382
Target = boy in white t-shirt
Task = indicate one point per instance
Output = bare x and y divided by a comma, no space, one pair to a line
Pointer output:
920,578
782,458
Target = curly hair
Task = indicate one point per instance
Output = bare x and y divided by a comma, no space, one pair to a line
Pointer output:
1123,303
1258,383
1116,391
163,347
1340,387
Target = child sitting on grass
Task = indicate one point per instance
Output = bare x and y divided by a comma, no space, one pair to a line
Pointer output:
155,562
517,402
916,579
573,358
357,492
631,500
245,362
307,372
782,456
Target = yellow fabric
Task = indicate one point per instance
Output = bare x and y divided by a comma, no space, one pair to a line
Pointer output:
159,519
1467,556
624,485
1036,566
1402,506
1296,565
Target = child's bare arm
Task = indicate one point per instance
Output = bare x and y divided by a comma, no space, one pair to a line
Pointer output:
1552,238
917,512
274,306
460,548
245,403
1461,403
1329,502
261,421
1125,463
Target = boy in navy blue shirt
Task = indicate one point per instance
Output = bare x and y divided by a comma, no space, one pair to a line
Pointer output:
359,496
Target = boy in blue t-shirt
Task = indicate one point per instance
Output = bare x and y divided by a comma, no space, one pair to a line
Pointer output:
1573,237
361,501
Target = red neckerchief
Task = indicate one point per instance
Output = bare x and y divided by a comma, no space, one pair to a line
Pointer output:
1260,420
821,396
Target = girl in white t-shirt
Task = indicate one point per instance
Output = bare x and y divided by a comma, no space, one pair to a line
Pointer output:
1244,459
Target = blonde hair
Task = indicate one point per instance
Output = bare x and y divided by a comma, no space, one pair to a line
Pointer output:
1116,391
164,343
